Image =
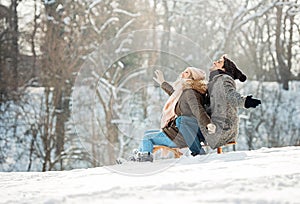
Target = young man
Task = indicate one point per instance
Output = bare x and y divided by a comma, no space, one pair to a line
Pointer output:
224,103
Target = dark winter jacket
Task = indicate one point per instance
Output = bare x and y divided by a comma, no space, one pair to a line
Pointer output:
224,103
190,103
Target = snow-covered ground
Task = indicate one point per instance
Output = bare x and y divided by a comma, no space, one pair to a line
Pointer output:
267,175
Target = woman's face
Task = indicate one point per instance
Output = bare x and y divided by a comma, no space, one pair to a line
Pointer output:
185,74
217,64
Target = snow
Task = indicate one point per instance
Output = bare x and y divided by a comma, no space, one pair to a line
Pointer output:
267,175
48,2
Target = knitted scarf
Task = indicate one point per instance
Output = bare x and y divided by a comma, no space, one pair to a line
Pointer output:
168,113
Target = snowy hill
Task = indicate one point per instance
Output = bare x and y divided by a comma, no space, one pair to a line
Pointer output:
260,176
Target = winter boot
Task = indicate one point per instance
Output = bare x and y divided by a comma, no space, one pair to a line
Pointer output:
202,152
134,155
144,157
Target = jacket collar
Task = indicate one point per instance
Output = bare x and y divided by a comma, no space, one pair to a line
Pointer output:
217,72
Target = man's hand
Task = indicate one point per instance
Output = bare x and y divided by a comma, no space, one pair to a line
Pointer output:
251,102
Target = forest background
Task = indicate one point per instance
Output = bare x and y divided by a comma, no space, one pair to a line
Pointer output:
69,99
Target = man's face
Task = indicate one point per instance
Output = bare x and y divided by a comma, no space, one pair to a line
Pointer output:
217,64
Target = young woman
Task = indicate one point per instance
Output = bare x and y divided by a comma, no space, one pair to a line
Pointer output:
181,115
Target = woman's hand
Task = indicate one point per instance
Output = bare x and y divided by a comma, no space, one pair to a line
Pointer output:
211,128
159,77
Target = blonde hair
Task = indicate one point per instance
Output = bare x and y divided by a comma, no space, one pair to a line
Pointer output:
198,85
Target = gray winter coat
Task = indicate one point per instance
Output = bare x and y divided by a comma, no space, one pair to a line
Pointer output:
224,103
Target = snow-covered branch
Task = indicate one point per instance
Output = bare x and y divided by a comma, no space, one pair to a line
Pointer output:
124,27
109,21
255,15
96,2
117,10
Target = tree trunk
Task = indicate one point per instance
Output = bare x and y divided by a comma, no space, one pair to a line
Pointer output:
46,137
33,35
59,128
283,68
15,48
165,41
112,136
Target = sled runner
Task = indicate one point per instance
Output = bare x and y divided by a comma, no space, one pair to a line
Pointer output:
176,151
220,150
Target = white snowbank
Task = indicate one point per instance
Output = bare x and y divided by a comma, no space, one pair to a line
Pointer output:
260,176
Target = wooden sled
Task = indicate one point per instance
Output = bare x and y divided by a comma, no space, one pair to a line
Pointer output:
176,151
165,150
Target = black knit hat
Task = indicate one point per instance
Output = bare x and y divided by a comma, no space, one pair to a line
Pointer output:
232,70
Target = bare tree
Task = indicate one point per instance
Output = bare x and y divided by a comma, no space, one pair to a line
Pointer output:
4,48
284,46
14,39
62,52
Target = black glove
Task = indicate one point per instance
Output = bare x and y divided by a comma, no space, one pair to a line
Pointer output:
251,102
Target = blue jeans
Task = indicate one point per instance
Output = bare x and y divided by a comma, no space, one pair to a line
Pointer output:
188,127
155,137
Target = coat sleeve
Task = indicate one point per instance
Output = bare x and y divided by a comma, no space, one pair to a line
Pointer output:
232,96
167,88
195,102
